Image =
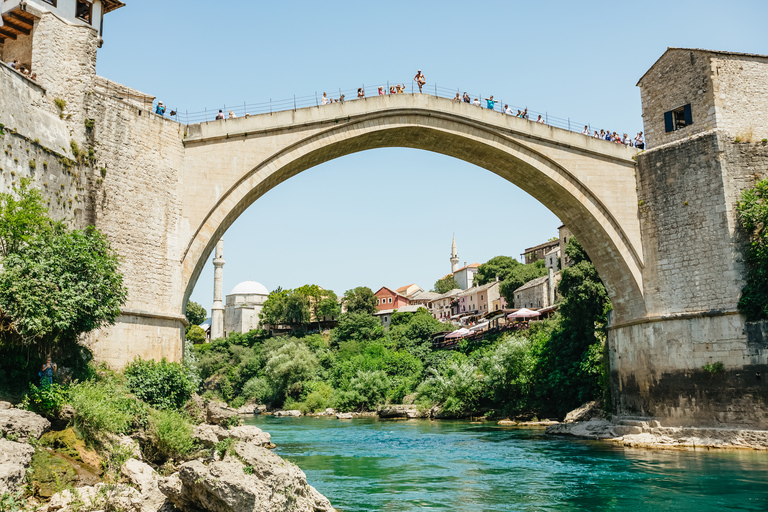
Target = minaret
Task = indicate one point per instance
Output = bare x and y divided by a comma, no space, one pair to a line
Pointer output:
454,256
217,311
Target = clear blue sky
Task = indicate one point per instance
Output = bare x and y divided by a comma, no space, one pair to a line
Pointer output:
572,59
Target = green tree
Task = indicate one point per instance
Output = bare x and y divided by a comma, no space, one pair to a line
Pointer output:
297,309
59,285
518,276
571,365
445,284
196,334
357,327
360,300
329,307
196,314
22,216
289,365
500,266
273,312
752,213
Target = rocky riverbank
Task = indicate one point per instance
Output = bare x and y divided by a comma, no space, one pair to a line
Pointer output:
588,422
233,471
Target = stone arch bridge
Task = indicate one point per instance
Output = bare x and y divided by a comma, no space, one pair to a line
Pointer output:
661,231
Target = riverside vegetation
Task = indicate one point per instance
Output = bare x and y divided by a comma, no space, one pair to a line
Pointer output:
544,371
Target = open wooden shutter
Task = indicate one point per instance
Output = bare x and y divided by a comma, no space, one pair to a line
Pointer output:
668,126
688,114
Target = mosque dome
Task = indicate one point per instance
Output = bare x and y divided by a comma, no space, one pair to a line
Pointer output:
249,288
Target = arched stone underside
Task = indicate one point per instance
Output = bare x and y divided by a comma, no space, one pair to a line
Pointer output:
610,235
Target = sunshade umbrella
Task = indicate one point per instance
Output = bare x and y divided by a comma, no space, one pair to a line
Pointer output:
524,313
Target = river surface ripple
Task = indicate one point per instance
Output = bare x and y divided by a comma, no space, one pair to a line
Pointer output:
390,465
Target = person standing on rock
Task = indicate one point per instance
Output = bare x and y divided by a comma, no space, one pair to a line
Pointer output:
46,373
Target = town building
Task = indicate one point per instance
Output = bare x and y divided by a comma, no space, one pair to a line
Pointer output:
442,305
465,276
385,315
20,27
690,91
387,298
423,298
479,299
533,254
564,235
243,305
409,289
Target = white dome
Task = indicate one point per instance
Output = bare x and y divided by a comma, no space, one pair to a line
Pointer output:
249,288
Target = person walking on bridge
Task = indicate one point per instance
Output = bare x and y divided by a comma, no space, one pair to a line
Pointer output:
420,80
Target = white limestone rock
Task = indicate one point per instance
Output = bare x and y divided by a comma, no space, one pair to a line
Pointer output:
256,480
22,424
14,459
293,413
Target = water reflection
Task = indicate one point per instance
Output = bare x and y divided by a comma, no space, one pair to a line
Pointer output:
376,465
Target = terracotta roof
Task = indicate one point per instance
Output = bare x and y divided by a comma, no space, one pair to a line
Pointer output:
473,265
476,289
390,291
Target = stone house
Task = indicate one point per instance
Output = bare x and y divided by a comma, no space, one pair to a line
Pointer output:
390,299
538,293
537,252
243,306
690,91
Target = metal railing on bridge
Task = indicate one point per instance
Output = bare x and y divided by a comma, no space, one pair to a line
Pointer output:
370,90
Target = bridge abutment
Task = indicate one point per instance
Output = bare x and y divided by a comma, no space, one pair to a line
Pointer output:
691,360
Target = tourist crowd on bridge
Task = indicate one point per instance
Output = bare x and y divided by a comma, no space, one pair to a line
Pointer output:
20,68
490,103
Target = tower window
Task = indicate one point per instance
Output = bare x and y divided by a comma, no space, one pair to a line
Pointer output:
84,11
678,118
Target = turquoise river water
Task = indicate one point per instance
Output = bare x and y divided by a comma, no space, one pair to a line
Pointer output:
390,465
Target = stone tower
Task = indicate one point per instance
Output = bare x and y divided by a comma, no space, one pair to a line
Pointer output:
454,256
217,311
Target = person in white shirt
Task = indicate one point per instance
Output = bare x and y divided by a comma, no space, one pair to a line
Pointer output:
540,120
626,140
585,131
639,144
476,102
508,110
325,100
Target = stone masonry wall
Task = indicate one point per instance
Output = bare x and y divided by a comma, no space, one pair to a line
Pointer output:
18,49
140,154
741,96
678,78
693,277
687,216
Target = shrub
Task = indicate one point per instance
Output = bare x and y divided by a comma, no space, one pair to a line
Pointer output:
509,372
257,389
196,334
171,434
163,385
289,365
713,367
457,387
101,407
365,391
47,399
319,396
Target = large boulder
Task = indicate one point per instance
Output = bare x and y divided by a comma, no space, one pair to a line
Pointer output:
98,497
401,411
209,435
256,480
219,414
22,425
293,413
588,411
6,405
145,479
196,409
14,459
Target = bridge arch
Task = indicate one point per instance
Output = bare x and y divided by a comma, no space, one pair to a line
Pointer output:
589,184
